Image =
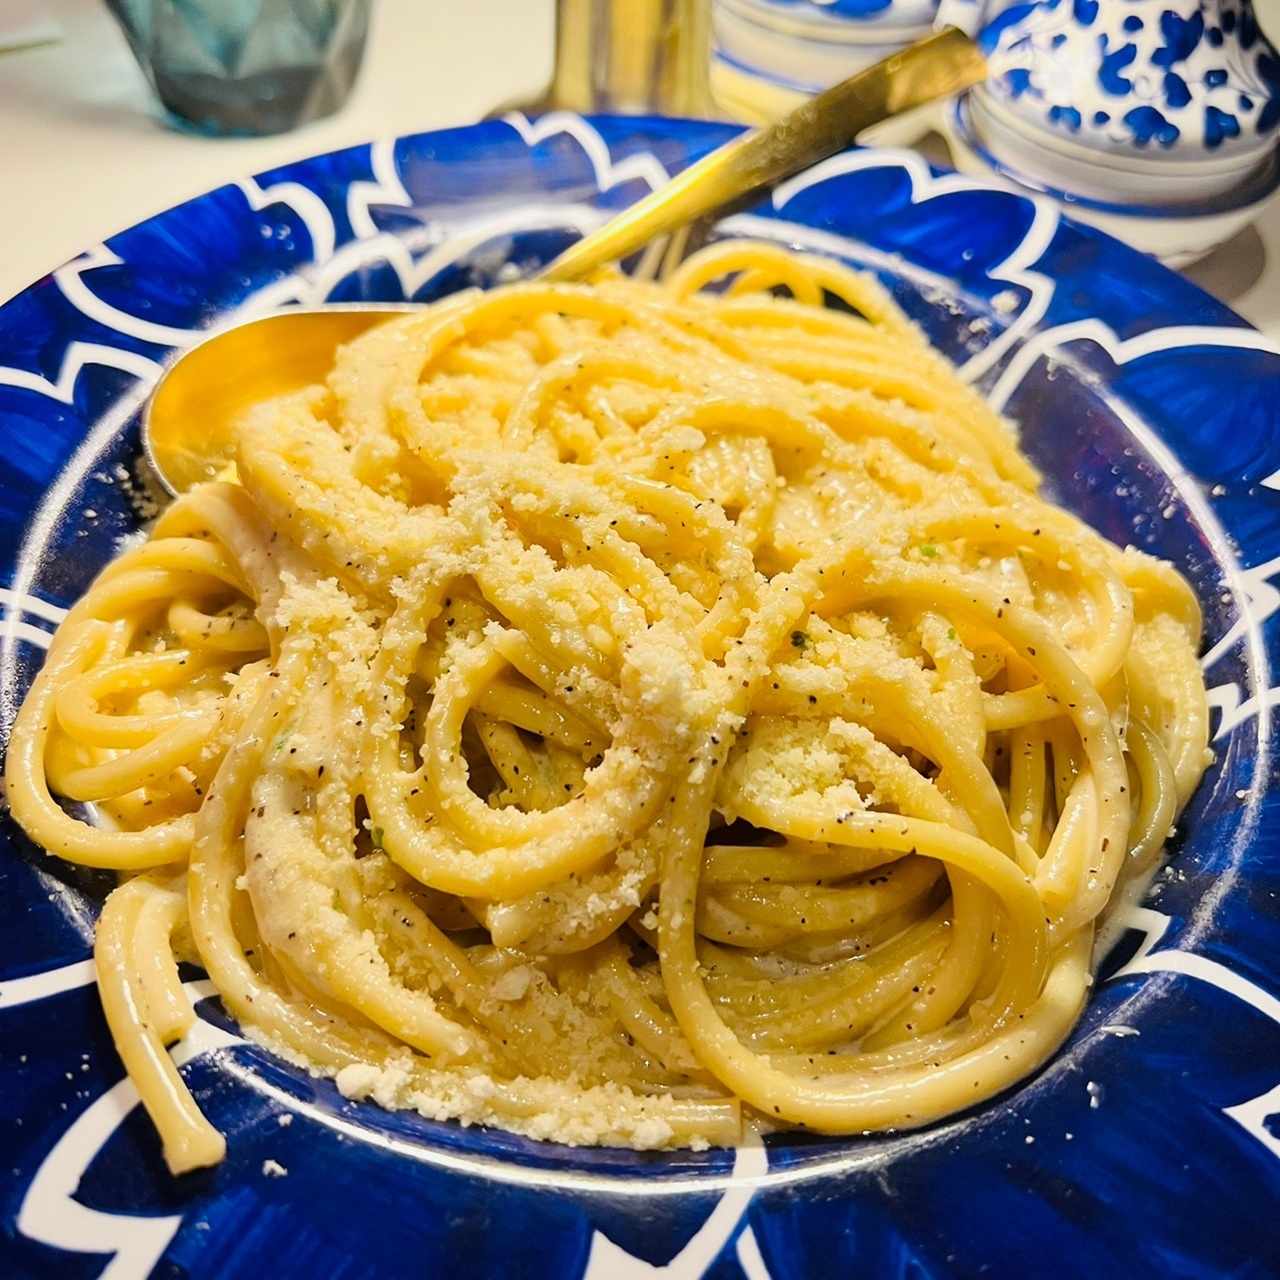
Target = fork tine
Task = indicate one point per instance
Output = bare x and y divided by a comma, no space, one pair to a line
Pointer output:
685,242
651,258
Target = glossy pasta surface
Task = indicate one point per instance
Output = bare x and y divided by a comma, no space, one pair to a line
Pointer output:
620,713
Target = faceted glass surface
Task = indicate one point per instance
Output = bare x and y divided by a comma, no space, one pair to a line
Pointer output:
247,66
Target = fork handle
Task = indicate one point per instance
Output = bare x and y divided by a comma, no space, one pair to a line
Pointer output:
936,67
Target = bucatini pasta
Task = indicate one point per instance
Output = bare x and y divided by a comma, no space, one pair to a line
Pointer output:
618,713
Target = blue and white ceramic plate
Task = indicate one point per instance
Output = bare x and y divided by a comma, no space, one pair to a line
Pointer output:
1149,1145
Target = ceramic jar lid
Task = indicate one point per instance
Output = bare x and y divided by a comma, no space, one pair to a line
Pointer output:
1176,79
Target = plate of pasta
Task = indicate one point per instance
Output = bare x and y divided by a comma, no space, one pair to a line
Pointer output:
753,772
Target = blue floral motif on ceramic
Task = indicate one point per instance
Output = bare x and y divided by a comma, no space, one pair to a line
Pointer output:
887,13
1175,77
1149,1141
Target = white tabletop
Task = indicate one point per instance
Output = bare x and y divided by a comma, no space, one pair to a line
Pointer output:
84,153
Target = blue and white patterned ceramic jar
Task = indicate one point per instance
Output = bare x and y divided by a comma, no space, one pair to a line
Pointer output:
770,54
1162,100
1154,110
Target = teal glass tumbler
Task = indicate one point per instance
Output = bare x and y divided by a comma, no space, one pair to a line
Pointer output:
246,66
